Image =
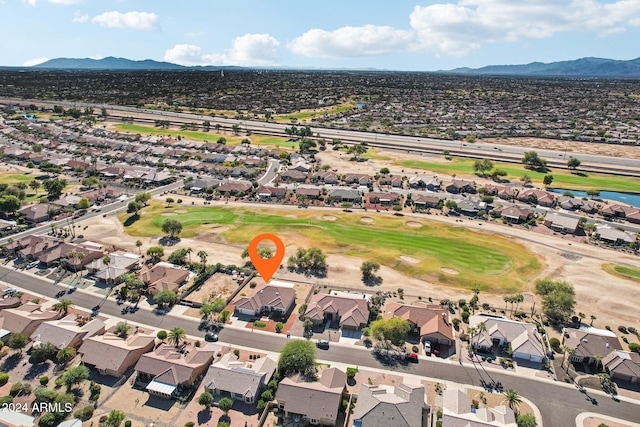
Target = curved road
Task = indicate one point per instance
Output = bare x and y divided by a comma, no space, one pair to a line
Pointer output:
559,403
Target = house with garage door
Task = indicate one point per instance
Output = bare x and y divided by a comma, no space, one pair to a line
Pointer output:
521,337
430,323
623,365
243,381
344,310
266,299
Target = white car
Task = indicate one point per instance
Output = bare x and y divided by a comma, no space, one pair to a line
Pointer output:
427,348
9,291
33,264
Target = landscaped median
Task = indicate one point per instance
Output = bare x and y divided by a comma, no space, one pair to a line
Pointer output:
439,252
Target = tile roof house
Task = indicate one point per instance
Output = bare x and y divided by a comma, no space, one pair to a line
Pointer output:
266,192
431,183
590,344
623,365
241,380
25,319
311,193
170,369
119,264
357,178
513,214
10,302
113,355
522,337
538,197
317,402
63,253
267,298
620,211
423,201
457,412
460,186
293,175
67,332
234,187
35,213
383,406
429,322
31,246
163,277
613,235
345,195
383,198
350,311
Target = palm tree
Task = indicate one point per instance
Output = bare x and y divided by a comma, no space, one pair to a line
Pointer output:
581,316
106,260
65,355
188,252
598,359
71,256
138,245
62,306
480,328
568,351
592,319
203,259
176,335
80,256
512,399
518,298
506,299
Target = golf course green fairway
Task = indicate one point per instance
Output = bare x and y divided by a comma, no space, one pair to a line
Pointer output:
561,178
441,253
623,272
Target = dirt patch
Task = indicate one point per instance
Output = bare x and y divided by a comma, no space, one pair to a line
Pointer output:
168,214
414,224
366,220
409,259
329,218
180,211
219,285
449,270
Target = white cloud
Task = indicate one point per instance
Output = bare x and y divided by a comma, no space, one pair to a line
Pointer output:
246,50
80,17
459,28
349,42
132,20
34,61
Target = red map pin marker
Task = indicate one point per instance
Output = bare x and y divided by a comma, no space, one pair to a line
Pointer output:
266,267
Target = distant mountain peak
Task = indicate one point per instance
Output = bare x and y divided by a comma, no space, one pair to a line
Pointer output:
108,63
583,67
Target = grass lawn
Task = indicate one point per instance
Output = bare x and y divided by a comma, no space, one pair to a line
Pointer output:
499,266
561,178
623,272
306,115
14,178
273,141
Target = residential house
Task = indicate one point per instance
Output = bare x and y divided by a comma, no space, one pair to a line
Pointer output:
169,370
267,298
293,175
309,193
345,195
13,418
163,277
505,193
397,181
384,406
35,214
267,193
425,201
157,178
326,177
239,380
69,331
623,365
590,345
422,182
457,412
63,254
32,245
9,302
561,224
513,214
119,264
113,355
461,186
471,207
70,201
613,236
316,402
357,178
25,319
630,213
384,199
430,323
349,311
537,197
523,338
233,188
202,184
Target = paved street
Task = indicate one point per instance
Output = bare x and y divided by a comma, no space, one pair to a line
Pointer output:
558,403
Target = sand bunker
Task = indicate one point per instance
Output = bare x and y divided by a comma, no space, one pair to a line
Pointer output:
414,224
409,259
180,211
168,214
449,270
329,218
367,219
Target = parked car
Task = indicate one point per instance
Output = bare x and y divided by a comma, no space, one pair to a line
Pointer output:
33,264
9,291
427,348
322,344
210,336
411,357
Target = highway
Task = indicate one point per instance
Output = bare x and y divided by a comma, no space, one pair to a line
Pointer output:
559,403
417,145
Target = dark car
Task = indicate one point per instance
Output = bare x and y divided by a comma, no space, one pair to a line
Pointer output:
211,337
322,344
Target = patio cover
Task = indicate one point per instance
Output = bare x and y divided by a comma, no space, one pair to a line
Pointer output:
159,387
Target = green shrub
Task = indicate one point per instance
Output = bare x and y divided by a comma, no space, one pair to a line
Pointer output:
44,380
20,389
4,378
351,373
259,324
555,344
189,424
127,423
85,413
5,400
236,352
635,347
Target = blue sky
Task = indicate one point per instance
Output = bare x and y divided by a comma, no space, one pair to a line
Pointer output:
399,35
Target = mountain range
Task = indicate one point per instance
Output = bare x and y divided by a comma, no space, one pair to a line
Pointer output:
583,67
